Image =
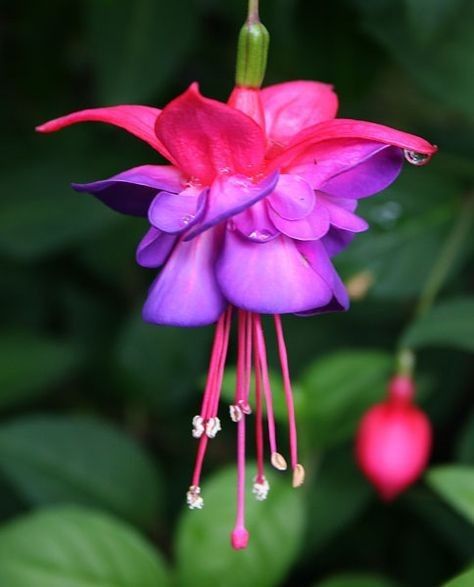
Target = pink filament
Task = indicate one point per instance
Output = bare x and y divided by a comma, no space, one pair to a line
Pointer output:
288,391
213,385
261,366
258,421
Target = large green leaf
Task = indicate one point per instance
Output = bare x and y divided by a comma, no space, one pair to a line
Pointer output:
464,580
465,447
336,498
338,388
450,323
204,554
438,66
161,364
58,459
355,580
455,483
75,547
409,223
137,46
31,364
39,213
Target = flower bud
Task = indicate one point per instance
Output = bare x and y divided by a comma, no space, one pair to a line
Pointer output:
252,54
394,440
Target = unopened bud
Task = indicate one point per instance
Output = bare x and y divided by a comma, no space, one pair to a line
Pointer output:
252,54
393,446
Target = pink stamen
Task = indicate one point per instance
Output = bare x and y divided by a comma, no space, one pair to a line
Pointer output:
261,370
288,392
259,442
213,386
240,536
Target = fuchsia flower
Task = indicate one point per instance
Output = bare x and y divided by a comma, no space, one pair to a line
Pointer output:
394,440
259,195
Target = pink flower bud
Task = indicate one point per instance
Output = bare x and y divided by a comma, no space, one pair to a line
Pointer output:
394,440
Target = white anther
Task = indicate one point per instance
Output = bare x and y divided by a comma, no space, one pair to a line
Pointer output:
198,426
245,407
194,499
298,475
278,461
213,425
260,489
235,413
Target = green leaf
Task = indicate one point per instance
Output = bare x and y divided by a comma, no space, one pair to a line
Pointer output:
409,223
356,580
138,46
465,447
204,554
74,547
339,388
58,459
438,66
30,365
427,18
40,214
337,496
161,364
464,580
450,323
455,484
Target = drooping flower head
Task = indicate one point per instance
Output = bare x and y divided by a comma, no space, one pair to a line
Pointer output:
394,440
259,194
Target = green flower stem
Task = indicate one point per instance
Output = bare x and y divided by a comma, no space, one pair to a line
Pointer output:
406,357
252,50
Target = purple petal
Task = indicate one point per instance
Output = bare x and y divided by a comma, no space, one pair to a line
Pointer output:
352,168
336,240
313,226
340,216
186,291
315,254
255,224
132,191
269,278
293,198
173,213
229,195
154,248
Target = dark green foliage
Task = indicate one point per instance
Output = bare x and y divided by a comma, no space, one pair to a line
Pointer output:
96,406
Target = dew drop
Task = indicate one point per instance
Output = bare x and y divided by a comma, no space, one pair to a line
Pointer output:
193,181
224,170
260,236
415,158
187,219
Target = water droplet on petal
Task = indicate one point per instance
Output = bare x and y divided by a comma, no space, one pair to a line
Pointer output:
260,235
224,171
187,219
415,158
193,182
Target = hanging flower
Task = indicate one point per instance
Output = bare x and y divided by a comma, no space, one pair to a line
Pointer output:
260,193
394,440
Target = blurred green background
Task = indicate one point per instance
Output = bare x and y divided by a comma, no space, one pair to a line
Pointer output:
95,444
